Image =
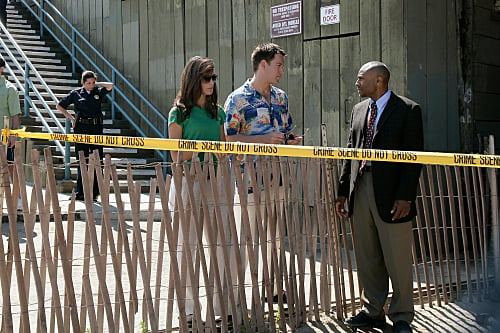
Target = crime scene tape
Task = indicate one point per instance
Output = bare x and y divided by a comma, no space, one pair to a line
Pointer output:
474,160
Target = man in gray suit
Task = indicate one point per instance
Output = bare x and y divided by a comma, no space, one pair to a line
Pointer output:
381,198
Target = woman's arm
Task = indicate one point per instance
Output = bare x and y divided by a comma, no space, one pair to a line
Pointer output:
107,85
67,115
175,132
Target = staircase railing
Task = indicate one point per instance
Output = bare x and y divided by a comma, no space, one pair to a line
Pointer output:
83,53
28,86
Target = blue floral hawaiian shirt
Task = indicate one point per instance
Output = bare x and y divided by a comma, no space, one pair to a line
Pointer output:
248,113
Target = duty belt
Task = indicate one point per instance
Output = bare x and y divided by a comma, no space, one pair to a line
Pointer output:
90,121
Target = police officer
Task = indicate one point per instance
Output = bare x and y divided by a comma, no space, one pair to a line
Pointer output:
87,102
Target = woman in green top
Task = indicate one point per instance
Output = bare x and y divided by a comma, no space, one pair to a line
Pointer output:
195,115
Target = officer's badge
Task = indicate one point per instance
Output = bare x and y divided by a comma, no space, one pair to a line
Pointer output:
96,96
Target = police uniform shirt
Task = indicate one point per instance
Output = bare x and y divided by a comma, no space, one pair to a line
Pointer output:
86,104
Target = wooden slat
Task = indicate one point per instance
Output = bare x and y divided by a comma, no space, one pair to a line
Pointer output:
463,229
296,214
11,198
7,323
120,307
473,229
226,171
225,61
437,234
310,10
203,225
310,238
223,237
31,263
349,64
172,244
453,219
429,225
44,225
195,29
187,258
349,16
421,238
297,238
312,92
87,180
332,104
248,241
392,33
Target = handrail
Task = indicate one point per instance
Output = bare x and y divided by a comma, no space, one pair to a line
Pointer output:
24,88
75,51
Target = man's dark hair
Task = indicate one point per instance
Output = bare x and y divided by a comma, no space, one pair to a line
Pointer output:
88,75
2,62
265,51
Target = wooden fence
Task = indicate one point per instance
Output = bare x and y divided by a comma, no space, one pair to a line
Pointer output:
121,267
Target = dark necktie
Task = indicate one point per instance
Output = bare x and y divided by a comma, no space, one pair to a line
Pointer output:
370,129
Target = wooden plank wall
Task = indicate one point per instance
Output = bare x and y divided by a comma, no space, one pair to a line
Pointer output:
433,70
150,42
486,69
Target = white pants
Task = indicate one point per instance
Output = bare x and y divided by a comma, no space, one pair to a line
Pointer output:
190,212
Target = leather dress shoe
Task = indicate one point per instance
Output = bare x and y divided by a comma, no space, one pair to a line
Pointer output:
364,320
401,326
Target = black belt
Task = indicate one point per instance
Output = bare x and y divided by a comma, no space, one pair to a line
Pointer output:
90,121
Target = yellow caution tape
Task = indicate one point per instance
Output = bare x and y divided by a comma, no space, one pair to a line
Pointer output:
477,160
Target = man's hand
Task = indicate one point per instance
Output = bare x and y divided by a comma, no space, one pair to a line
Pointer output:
273,138
400,209
340,207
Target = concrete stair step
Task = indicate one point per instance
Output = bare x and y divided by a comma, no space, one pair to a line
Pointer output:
127,154
54,66
18,33
41,60
35,53
35,127
44,67
49,75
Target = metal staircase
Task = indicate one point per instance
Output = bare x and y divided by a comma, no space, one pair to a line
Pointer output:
54,72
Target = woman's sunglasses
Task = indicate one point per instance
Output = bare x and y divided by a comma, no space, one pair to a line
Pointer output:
208,78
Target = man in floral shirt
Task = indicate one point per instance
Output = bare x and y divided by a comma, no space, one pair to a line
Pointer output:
257,112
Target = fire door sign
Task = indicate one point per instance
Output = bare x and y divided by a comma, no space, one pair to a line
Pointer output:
286,19
330,14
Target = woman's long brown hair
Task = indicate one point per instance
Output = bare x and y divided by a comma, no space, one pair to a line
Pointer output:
190,91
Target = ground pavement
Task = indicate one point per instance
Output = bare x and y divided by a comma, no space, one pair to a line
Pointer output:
461,316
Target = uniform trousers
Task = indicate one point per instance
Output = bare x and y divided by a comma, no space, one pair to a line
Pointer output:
383,252
87,150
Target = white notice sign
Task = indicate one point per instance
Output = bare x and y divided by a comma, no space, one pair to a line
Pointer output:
330,14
